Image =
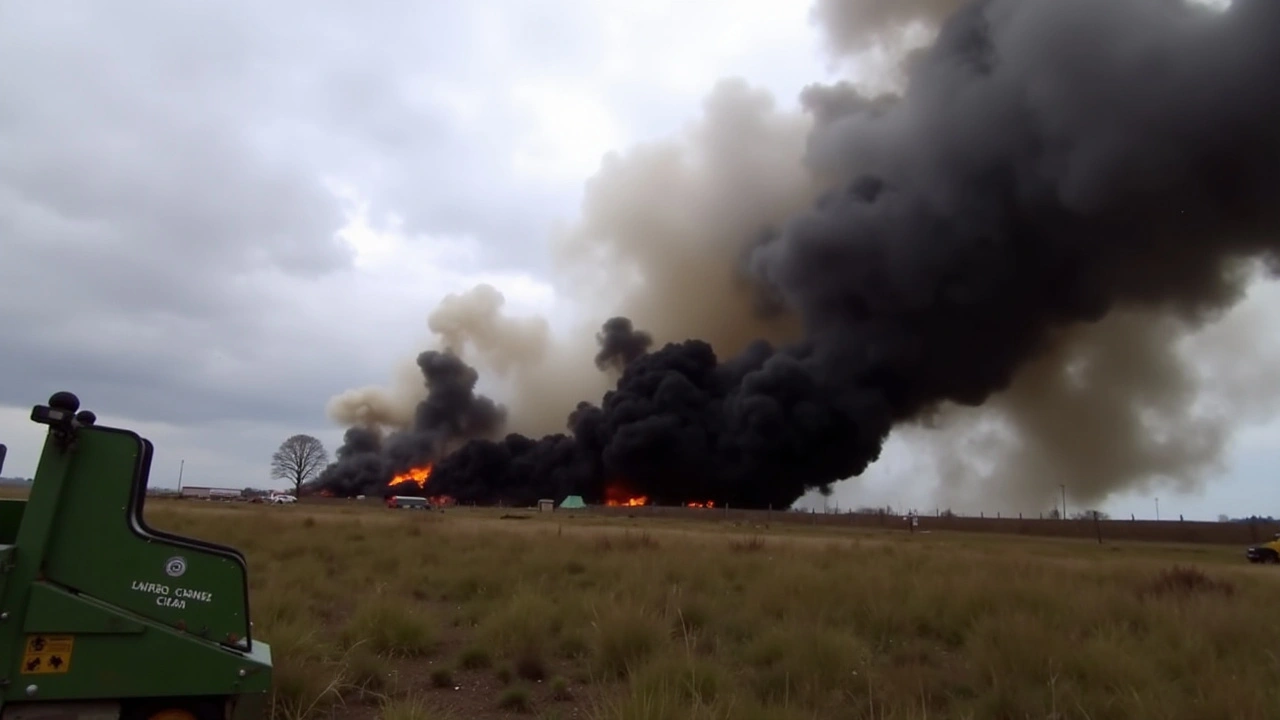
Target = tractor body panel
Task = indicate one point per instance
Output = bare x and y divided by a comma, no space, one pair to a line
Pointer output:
116,558
10,518
96,607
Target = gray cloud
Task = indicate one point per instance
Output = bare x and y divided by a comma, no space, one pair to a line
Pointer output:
166,220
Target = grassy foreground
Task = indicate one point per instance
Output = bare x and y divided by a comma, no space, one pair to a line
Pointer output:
399,614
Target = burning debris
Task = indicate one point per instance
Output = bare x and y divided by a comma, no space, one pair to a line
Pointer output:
1048,166
413,483
617,496
452,412
416,477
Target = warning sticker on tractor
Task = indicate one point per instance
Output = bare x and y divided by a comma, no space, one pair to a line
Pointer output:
47,654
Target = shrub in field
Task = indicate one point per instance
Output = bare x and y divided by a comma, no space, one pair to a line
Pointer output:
516,699
691,680
442,677
688,612
573,644
754,543
304,678
628,541
528,621
474,658
803,664
408,709
669,702
522,630
392,625
1182,581
560,690
529,664
624,638
367,671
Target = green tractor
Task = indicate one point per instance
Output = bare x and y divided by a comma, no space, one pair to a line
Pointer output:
103,617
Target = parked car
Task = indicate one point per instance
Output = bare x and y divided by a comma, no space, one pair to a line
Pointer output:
1268,553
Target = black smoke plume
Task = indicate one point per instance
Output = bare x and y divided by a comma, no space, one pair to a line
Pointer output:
620,343
451,413
1049,164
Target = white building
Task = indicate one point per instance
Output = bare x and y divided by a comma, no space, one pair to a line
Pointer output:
209,493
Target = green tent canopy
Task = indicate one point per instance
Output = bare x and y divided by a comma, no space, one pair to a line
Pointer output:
573,502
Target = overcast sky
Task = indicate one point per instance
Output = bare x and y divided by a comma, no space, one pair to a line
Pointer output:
215,216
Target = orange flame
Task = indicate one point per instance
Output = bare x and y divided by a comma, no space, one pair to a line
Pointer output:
636,501
617,496
707,504
417,476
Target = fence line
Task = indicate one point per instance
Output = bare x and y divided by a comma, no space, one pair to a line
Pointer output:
1236,532
1188,531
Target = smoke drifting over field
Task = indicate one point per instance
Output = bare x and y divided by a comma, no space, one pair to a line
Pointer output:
1061,194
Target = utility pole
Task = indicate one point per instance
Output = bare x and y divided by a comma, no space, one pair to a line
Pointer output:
181,465
1064,501
1157,509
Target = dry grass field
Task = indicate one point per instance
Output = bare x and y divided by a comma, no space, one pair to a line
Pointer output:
464,614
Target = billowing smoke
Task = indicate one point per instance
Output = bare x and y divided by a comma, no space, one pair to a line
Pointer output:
450,413
620,343
1062,193
661,238
853,27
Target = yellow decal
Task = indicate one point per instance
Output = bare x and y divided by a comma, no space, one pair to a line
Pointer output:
47,654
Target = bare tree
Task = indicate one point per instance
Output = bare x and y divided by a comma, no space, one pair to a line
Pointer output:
299,459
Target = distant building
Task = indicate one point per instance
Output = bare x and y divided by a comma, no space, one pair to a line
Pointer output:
210,493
